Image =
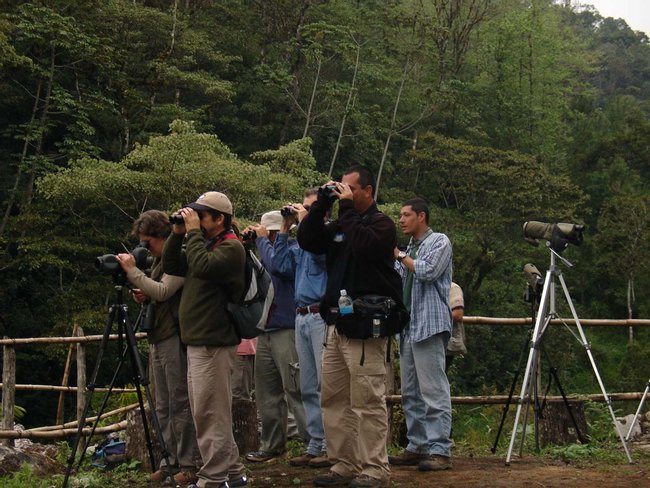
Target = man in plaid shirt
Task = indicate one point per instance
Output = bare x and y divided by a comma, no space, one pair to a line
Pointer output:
426,271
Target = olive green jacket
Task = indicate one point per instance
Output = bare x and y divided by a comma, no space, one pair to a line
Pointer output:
212,278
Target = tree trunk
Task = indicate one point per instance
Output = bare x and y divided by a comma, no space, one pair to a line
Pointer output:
556,426
630,301
311,99
392,126
23,155
348,106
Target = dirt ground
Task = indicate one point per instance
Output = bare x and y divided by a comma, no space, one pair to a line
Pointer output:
478,472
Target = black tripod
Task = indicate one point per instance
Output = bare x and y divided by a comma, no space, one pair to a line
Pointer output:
118,312
533,295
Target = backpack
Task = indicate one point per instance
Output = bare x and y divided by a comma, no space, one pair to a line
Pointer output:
251,312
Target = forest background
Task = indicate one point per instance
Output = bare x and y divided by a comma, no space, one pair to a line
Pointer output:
496,112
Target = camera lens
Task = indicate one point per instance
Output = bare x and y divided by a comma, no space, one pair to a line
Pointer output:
286,211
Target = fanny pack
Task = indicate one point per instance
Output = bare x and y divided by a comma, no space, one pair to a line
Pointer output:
374,316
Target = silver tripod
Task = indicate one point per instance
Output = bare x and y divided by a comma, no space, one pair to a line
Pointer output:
638,411
546,313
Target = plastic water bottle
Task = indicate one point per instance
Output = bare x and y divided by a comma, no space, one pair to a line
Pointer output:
376,328
345,303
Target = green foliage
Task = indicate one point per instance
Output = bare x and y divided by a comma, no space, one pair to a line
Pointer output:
497,115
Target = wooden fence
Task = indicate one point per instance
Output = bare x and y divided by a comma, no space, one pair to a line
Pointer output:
78,342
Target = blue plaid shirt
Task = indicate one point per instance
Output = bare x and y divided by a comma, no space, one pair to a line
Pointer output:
430,313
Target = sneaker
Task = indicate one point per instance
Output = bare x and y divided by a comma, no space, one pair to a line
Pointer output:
301,460
435,462
261,456
332,479
185,477
407,458
243,481
365,481
222,485
320,461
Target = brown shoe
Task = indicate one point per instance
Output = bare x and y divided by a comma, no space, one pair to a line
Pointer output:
159,476
301,460
407,458
186,476
365,481
435,462
321,461
332,479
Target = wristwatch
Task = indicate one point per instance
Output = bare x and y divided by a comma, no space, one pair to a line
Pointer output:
401,255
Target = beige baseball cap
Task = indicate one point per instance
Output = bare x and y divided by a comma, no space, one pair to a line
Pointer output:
272,220
212,200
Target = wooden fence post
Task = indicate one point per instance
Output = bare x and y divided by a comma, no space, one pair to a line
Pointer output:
64,382
8,390
81,375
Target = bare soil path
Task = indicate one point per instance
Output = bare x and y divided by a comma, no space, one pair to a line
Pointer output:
486,471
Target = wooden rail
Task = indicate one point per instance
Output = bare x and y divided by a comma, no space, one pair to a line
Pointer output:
9,386
78,341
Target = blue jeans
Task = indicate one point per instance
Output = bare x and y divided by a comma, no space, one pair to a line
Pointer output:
310,335
426,398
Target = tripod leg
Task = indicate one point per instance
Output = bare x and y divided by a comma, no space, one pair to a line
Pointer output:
638,411
506,407
140,378
531,355
91,388
103,406
587,347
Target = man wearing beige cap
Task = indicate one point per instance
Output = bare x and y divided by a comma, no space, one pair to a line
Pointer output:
213,265
277,379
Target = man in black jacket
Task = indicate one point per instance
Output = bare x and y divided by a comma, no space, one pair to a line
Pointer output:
359,248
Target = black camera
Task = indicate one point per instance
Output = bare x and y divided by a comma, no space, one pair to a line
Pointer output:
249,236
176,219
109,265
287,211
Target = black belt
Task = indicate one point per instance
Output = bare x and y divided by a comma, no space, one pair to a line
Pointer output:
308,309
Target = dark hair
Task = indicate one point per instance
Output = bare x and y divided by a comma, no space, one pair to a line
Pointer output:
310,192
227,218
153,223
418,205
366,176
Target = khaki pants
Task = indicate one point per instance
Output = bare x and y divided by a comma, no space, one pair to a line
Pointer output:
169,364
277,389
354,408
208,381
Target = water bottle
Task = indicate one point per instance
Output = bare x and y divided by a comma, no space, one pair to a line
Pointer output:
376,328
345,303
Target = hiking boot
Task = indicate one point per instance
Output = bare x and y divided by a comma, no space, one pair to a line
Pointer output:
365,481
332,479
159,476
185,477
320,461
262,456
242,481
301,460
435,462
163,474
407,458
